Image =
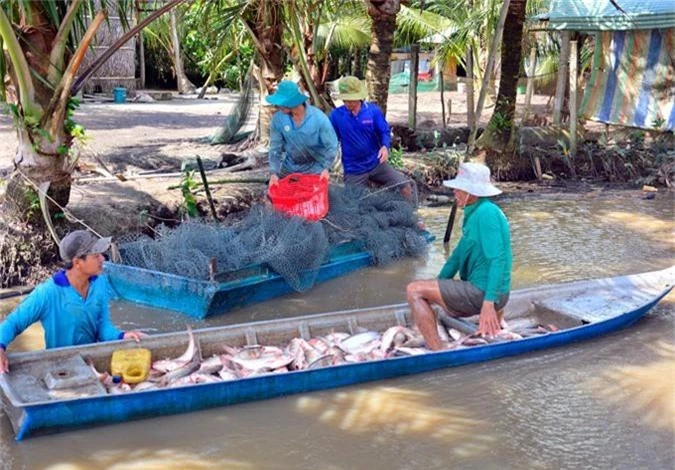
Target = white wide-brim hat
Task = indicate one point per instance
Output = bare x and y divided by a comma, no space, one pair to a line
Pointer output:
474,179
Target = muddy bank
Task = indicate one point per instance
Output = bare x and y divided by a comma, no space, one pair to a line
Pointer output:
128,178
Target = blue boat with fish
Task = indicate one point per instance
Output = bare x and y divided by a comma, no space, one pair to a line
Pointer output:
61,389
229,289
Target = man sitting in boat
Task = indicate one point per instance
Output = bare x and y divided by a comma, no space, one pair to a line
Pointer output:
302,139
482,257
72,305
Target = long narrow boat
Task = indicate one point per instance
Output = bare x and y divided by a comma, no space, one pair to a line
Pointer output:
54,390
231,289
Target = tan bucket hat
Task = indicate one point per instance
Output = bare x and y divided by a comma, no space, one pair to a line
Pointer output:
350,88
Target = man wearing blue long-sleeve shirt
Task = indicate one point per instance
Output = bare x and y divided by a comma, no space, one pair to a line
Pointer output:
72,305
302,139
366,138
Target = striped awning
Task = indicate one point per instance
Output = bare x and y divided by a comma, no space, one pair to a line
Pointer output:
633,79
602,15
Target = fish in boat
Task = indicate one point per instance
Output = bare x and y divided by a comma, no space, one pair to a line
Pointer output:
74,397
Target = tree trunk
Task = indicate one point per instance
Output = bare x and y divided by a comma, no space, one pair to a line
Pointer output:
38,158
357,65
266,30
184,85
383,17
498,135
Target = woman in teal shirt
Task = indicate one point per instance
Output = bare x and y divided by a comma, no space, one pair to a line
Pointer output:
72,305
482,258
302,139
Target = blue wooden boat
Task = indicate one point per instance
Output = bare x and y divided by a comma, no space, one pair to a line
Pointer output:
581,310
229,290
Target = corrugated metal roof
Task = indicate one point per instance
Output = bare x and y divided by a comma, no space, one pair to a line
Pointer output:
601,15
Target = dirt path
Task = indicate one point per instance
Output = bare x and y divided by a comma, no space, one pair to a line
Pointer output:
136,138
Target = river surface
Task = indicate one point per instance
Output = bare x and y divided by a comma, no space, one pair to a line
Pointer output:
602,404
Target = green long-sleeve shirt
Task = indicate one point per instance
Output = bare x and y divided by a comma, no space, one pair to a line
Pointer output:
483,254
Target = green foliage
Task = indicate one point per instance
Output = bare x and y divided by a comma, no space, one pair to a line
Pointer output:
500,122
188,185
396,158
33,202
658,123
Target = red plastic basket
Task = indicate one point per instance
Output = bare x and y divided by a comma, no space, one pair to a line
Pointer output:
302,195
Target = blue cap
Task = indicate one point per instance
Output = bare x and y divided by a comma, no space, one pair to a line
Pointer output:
116,379
288,95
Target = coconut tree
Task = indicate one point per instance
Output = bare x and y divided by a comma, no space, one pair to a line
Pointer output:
383,16
46,42
165,34
499,131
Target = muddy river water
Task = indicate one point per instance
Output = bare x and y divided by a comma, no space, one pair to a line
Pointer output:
604,404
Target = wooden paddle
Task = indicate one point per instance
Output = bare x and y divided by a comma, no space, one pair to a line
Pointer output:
448,229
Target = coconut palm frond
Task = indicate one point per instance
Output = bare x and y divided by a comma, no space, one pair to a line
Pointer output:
344,33
412,25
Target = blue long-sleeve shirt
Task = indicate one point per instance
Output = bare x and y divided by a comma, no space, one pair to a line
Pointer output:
66,317
362,136
483,254
308,148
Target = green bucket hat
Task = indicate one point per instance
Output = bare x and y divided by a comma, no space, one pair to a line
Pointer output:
288,95
351,89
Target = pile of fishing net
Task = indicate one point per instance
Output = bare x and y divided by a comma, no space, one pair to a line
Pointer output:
380,222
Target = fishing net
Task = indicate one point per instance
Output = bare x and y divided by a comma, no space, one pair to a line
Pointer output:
381,223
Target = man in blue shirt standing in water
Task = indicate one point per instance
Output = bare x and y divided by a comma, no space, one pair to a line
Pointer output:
366,139
72,305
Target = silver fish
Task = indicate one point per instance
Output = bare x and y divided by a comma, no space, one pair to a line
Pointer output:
176,374
403,351
296,348
390,336
147,385
359,342
323,361
456,335
169,365
227,374
212,365
442,333
262,357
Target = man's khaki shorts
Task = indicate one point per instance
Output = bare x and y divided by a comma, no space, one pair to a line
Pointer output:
465,299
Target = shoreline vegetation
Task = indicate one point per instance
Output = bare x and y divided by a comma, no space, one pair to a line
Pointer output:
140,163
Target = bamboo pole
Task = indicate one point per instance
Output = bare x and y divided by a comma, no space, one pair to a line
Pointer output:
206,187
573,98
470,105
562,77
530,81
229,181
412,91
488,72
440,65
141,48
528,99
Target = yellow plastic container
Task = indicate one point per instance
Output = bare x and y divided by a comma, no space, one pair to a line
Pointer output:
133,365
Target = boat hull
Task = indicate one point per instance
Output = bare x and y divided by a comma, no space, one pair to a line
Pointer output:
33,418
200,299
